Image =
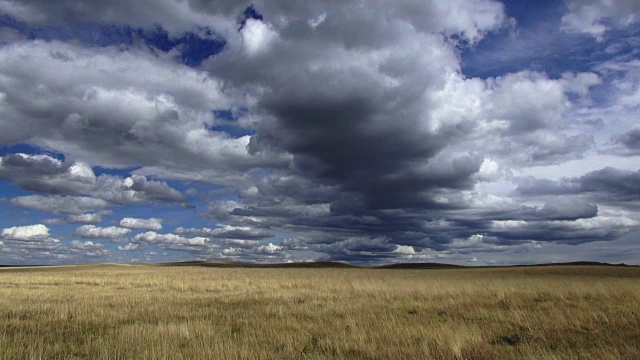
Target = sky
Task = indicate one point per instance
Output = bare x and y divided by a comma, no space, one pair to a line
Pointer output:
371,132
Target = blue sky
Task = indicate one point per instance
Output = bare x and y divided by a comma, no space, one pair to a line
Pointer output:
476,133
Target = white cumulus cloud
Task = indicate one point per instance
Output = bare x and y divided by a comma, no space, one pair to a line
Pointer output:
29,232
95,232
144,224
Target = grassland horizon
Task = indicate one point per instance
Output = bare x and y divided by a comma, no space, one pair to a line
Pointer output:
199,310
328,264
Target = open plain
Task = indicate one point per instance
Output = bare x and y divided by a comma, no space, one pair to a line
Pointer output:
209,312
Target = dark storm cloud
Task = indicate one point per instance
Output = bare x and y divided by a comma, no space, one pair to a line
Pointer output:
608,184
325,230
561,149
45,174
630,140
560,232
531,186
240,233
567,210
337,142
612,183
42,173
356,250
362,128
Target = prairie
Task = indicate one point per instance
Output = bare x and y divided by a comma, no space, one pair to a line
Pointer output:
194,312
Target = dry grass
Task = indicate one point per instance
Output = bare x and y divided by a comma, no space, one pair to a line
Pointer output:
152,312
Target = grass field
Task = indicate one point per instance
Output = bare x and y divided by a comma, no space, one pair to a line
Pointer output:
191,312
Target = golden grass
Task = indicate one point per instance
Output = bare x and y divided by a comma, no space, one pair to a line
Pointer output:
155,312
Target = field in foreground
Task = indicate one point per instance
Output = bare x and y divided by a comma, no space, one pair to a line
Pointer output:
188,312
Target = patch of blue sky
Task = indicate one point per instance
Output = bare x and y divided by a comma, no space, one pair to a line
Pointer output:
261,174
230,114
529,13
537,43
192,48
250,13
225,122
9,190
224,195
173,216
225,114
160,257
193,190
64,232
11,215
87,33
233,131
30,150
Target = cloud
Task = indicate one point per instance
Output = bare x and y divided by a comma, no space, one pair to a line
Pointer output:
30,238
173,242
94,218
74,205
257,36
317,21
94,232
357,249
470,20
607,184
557,210
611,182
256,252
269,249
152,237
595,17
89,218
404,250
110,106
359,178
128,247
35,243
26,233
45,174
134,189
144,224
175,16
604,227
630,141
227,232
88,248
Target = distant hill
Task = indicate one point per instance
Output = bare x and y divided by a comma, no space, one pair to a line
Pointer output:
237,264
335,264
579,263
328,264
419,266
